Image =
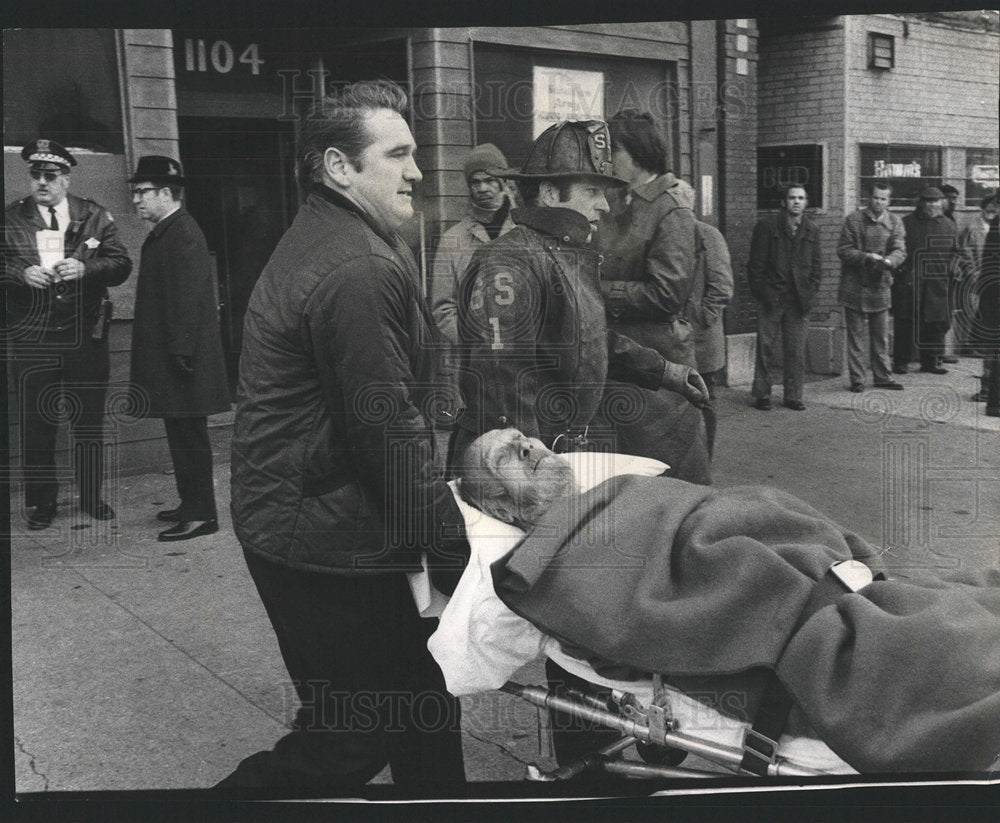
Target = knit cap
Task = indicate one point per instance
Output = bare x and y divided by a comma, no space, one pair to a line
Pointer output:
486,157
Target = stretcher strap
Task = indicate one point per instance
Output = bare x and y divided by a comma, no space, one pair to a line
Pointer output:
760,743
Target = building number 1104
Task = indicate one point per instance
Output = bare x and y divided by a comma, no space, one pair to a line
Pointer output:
220,55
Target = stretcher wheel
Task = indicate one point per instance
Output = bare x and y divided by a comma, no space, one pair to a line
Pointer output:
660,755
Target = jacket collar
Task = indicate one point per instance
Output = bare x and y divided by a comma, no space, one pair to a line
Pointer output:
780,223
565,225
481,215
77,214
882,218
655,187
336,198
29,213
166,222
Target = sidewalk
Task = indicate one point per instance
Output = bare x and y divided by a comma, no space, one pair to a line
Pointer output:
146,665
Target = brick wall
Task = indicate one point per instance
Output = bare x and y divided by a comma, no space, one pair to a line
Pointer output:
801,99
738,114
943,90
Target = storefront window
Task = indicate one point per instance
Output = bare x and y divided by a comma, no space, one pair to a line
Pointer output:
909,169
520,92
73,99
982,174
782,166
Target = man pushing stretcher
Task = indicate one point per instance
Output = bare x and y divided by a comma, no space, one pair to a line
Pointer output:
722,587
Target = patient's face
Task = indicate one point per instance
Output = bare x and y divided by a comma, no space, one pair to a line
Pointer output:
532,476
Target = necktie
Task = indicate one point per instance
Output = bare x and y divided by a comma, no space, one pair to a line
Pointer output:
53,222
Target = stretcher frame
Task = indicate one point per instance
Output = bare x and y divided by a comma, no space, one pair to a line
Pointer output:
651,726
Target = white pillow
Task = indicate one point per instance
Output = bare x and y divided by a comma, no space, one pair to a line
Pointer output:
479,642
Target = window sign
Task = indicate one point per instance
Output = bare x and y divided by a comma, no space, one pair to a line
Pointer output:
566,94
982,174
781,166
908,169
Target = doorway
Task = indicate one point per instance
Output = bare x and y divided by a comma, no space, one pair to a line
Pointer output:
241,190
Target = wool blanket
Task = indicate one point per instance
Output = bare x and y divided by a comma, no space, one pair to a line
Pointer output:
664,576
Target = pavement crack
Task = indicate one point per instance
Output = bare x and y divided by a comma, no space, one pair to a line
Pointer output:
180,649
31,762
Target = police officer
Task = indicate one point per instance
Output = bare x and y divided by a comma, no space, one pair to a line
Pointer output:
61,254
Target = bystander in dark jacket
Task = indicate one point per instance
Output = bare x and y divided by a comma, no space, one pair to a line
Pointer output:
784,272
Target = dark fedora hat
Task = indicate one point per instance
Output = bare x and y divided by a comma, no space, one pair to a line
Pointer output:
158,169
569,149
931,193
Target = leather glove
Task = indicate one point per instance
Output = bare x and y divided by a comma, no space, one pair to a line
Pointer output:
182,365
685,381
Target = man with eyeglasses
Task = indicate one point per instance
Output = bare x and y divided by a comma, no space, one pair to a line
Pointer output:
178,368
61,253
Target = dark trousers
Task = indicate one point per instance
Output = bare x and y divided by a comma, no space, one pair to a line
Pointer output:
930,344
780,323
356,649
902,341
65,381
191,453
867,330
991,380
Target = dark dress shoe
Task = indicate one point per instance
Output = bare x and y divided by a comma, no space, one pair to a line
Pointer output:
42,516
188,529
951,360
900,369
169,515
933,370
857,388
890,385
100,511
762,403
795,405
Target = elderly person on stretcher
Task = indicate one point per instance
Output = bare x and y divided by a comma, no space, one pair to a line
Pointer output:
715,586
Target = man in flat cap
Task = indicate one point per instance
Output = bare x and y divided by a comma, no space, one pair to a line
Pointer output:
61,252
178,368
920,286
950,202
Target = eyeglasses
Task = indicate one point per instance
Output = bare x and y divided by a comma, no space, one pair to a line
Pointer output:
50,176
141,191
